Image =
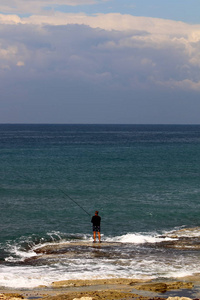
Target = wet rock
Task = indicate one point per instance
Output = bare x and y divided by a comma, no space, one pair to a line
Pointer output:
183,239
183,243
195,231
179,285
152,287
11,296
97,295
76,283
164,287
178,298
61,248
84,298
53,249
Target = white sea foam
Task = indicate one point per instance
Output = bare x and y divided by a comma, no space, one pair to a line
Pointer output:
148,266
131,261
23,277
137,238
185,232
16,254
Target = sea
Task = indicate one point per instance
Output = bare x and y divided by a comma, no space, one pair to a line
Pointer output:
143,179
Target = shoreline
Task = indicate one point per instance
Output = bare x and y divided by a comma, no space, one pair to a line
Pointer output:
119,288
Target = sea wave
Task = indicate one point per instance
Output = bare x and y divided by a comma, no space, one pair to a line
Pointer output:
138,238
133,255
184,232
24,247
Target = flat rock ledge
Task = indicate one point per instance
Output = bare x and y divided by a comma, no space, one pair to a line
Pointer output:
162,287
145,285
119,288
113,281
95,295
100,295
11,296
104,289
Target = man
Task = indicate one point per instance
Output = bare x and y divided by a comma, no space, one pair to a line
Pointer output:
96,221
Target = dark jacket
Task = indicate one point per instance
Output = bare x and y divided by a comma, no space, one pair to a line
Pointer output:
96,220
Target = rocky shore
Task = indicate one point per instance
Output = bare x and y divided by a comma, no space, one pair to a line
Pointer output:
108,289
116,288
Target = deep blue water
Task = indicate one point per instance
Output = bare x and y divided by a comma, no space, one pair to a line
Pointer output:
141,178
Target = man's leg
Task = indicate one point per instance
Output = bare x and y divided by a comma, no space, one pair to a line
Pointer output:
99,236
94,236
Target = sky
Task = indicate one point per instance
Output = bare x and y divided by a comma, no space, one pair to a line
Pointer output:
100,61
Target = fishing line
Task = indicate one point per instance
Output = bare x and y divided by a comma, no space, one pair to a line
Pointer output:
63,193
73,200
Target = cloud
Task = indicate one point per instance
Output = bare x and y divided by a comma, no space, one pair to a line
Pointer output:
20,63
124,50
112,68
159,28
78,65
185,84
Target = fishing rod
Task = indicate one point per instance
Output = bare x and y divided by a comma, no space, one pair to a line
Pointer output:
65,195
73,200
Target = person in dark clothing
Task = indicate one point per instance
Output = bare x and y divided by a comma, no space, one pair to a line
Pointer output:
96,221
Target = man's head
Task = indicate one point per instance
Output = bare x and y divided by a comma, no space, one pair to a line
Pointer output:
96,212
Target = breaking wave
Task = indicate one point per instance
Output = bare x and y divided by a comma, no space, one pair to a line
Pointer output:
133,255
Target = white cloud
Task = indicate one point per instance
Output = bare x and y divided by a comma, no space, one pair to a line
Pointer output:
113,21
185,84
118,50
20,63
7,53
10,19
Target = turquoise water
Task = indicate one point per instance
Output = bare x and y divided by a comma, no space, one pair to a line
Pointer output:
143,179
